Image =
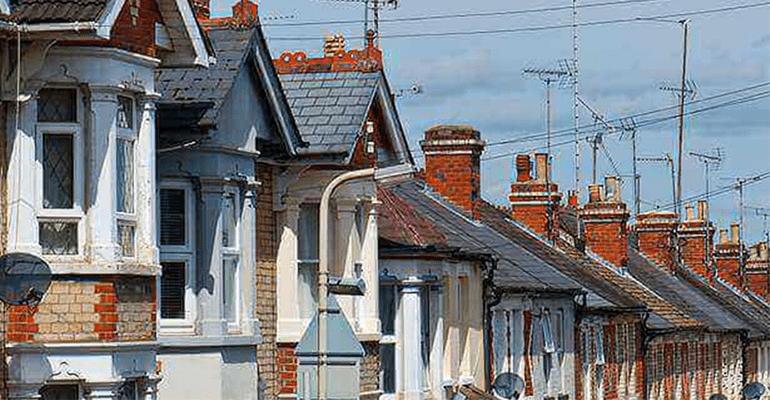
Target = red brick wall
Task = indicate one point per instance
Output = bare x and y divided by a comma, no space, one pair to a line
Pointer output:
454,169
655,232
287,368
104,309
757,277
542,218
694,238
605,231
266,281
727,257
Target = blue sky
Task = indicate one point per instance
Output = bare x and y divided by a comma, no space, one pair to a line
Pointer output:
477,80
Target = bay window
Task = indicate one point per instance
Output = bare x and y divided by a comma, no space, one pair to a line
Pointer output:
307,262
124,175
177,282
230,253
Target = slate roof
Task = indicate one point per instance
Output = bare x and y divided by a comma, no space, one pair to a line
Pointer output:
208,85
42,11
330,107
517,269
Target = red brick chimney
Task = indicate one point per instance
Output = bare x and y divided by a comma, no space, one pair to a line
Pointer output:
535,202
245,14
696,237
758,270
453,163
202,9
605,217
728,257
656,235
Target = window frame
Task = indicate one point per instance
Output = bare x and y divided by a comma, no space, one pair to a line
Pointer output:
303,263
186,254
232,252
75,214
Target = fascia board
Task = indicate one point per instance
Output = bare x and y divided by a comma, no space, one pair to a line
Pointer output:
194,32
107,20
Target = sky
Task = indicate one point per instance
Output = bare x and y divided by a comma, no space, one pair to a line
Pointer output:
478,80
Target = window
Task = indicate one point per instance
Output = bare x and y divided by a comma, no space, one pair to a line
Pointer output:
177,254
425,344
57,105
388,307
125,118
229,222
124,185
388,367
545,325
60,392
59,238
173,226
307,263
230,289
58,171
127,238
129,390
172,290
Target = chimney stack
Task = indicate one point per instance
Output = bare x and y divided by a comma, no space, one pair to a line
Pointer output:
728,257
202,9
696,240
453,163
605,217
758,270
656,233
333,44
535,202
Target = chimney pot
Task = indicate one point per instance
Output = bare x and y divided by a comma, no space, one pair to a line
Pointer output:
723,236
333,44
595,193
541,164
572,199
763,252
703,207
690,211
523,168
734,230
612,189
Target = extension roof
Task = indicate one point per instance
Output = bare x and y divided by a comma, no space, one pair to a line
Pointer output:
201,92
45,11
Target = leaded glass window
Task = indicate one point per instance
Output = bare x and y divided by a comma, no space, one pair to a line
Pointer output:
125,176
59,238
229,221
172,290
127,238
125,112
57,105
58,170
173,224
60,392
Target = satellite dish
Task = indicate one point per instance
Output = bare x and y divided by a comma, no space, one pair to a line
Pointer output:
753,390
508,385
24,278
717,397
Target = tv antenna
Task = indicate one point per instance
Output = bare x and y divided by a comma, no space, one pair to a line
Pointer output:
711,162
664,158
548,76
629,127
739,183
375,6
413,90
597,141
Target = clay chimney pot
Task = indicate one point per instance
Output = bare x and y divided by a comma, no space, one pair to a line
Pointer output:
690,211
723,236
763,252
612,189
734,230
595,193
703,207
523,168
541,165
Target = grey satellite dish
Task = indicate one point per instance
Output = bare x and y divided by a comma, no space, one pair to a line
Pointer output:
718,396
24,278
753,390
508,385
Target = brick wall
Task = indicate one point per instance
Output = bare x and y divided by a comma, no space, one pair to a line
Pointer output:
605,231
287,368
655,231
453,163
727,257
695,237
3,183
88,310
370,371
757,277
534,202
266,279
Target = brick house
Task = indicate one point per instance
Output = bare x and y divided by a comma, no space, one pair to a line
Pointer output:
344,109
79,188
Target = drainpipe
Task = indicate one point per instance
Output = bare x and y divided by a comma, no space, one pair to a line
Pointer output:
488,338
323,269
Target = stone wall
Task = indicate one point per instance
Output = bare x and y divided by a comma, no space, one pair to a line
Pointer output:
88,309
266,281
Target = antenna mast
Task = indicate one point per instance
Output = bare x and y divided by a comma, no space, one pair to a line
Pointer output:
576,95
548,76
629,125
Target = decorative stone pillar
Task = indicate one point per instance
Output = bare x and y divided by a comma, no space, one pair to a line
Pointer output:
101,235
410,342
369,317
347,249
146,185
287,303
23,180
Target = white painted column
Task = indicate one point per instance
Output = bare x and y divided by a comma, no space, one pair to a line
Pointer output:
410,339
437,350
100,184
289,323
346,252
370,311
23,180
146,185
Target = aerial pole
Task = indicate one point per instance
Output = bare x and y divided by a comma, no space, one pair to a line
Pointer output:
686,26
629,125
576,96
548,76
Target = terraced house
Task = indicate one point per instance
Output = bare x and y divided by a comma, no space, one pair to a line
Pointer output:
78,134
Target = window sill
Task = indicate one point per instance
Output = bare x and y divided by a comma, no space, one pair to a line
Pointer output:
77,266
208,341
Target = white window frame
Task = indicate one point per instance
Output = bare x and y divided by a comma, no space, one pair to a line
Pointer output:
394,340
231,253
129,135
68,215
186,254
314,263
